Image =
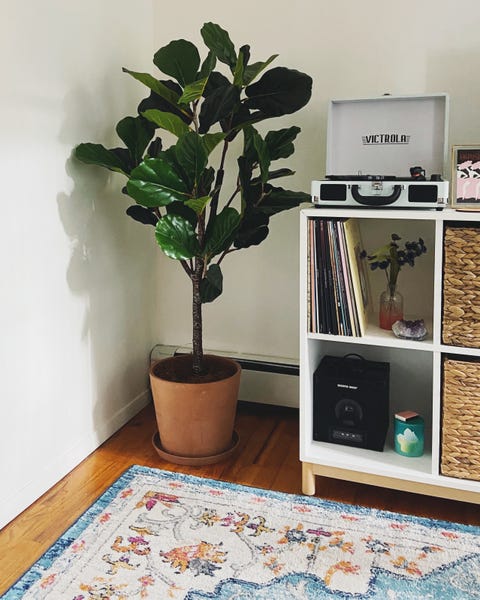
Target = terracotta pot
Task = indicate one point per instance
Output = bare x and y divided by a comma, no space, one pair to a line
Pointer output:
195,420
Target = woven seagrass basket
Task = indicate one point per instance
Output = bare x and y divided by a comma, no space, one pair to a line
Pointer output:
460,454
461,286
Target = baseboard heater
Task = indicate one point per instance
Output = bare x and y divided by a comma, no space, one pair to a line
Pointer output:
265,379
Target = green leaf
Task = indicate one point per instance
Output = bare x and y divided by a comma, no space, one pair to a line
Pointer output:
170,156
215,80
156,183
252,231
263,156
249,151
180,209
155,148
136,134
250,192
179,59
176,237
218,105
280,143
156,86
191,155
154,101
193,91
252,71
206,181
168,121
96,154
274,175
211,141
279,200
220,235
219,42
142,215
208,65
211,285
279,91
242,60
198,204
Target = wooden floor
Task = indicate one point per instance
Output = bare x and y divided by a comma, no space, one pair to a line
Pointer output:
267,458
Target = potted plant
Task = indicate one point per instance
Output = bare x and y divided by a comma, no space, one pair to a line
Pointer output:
196,222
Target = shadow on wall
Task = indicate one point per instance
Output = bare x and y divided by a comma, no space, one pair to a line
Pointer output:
112,259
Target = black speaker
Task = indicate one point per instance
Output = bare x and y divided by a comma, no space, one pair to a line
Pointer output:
351,401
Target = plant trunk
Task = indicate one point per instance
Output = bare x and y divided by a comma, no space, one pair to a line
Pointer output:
197,317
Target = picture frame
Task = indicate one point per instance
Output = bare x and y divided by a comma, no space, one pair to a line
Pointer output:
465,177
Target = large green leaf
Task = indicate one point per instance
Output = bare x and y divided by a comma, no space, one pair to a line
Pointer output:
179,59
205,183
250,192
252,71
155,148
208,65
279,91
191,155
193,91
96,154
262,155
249,150
142,215
156,183
157,86
218,105
219,42
176,237
252,231
274,175
182,210
211,140
154,101
278,200
215,80
280,143
220,235
198,204
168,121
211,285
136,133
242,61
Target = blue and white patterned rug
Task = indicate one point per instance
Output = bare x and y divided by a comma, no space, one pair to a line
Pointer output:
161,535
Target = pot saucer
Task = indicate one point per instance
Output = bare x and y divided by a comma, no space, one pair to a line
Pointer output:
195,461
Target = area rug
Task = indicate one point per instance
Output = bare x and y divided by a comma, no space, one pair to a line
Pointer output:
162,535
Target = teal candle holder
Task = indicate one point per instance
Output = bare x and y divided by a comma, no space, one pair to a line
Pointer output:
410,436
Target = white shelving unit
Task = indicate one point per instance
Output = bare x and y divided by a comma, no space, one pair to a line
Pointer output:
415,366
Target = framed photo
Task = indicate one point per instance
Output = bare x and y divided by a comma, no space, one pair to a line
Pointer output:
466,177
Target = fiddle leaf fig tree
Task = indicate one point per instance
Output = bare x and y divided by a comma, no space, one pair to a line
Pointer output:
179,189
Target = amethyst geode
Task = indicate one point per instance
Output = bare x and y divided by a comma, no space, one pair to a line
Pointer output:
410,330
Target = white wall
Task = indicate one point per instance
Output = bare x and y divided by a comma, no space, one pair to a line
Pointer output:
85,294
351,49
77,291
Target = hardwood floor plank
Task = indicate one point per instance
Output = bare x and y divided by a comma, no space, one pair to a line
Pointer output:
268,457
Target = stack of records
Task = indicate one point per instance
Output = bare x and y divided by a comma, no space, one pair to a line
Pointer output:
338,295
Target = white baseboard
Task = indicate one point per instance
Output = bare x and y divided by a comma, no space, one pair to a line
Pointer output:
262,385
62,464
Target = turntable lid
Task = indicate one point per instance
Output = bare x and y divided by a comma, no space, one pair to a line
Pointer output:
387,135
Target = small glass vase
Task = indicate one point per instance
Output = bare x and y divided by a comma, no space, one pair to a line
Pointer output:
391,307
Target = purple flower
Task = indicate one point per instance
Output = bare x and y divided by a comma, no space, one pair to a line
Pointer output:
391,258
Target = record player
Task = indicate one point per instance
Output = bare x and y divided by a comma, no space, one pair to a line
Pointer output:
386,152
